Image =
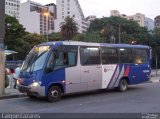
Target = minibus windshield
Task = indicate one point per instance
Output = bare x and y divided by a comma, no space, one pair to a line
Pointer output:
35,59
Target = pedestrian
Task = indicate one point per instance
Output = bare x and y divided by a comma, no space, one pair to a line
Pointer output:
16,76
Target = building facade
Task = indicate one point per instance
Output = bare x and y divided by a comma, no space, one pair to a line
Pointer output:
138,17
91,18
149,23
12,8
37,18
73,9
157,21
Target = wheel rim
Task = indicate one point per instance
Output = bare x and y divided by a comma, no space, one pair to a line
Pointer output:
123,85
54,94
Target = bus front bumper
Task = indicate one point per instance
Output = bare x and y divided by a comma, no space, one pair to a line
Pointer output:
38,91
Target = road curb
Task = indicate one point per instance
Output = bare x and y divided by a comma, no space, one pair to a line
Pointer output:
154,81
12,96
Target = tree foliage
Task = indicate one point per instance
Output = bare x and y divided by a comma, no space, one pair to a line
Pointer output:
89,37
26,43
18,40
121,29
69,28
55,37
14,30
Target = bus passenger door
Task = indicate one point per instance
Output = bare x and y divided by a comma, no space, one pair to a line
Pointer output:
63,69
91,68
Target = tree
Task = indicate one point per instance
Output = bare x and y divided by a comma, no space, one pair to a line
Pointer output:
89,37
26,43
69,28
14,30
155,44
55,37
18,40
123,30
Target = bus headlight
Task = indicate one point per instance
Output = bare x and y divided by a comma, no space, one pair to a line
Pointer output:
35,84
18,82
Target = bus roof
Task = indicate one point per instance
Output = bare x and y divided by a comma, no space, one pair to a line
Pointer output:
79,43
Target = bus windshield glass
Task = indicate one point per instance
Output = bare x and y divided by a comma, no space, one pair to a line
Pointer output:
35,59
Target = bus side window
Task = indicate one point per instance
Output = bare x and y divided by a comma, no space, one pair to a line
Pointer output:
90,56
125,55
140,56
50,64
109,55
66,57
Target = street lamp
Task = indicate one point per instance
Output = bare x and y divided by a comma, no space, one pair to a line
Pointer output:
47,19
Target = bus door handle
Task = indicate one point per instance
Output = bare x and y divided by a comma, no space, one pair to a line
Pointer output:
86,71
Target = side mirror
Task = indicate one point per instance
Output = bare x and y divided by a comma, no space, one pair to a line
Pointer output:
48,70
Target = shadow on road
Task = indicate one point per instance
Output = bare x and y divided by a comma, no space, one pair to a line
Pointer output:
94,93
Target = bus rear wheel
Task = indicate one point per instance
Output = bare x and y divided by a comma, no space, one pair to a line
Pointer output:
123,85
54,94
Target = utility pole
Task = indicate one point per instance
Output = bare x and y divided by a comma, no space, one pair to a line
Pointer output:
2,35
119,33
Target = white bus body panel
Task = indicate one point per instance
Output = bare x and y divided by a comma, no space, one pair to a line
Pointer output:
108,71
92,75
73,80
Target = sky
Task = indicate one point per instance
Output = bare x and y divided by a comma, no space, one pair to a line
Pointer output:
100,8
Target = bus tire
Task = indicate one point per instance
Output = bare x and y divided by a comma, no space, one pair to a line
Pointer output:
54,94
123,85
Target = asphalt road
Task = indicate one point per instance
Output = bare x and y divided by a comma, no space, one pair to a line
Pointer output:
138,99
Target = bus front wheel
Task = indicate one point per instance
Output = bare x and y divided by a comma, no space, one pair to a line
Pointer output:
54,94
123,85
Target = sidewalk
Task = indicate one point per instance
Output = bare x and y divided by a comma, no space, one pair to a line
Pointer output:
155,79
155,76
12,93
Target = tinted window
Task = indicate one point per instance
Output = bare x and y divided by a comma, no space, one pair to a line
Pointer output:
64,56
140,56
90,55
109,55
125,55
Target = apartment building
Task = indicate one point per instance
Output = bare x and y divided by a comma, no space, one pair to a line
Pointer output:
37,18
138,17
73,9
91,18
12,8
149,23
